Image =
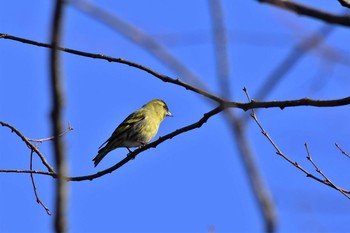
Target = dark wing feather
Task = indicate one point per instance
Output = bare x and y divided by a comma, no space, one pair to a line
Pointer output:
131,120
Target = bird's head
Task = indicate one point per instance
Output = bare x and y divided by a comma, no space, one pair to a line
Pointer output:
159,107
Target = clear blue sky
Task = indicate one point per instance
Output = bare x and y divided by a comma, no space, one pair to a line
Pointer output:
194,182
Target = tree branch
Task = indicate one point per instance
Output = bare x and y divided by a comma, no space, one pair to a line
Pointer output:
259,188
69,128
300,9
34,186
164,78
318,170
29,145
232,104
342,151
220,48
345,3
295,164
130,156
289,103
57,103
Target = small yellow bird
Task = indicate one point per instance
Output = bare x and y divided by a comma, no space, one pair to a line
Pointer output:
139,128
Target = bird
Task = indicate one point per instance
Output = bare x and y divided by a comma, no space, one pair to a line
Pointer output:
138,129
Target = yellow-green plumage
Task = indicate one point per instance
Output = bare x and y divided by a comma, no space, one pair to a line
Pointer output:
137,129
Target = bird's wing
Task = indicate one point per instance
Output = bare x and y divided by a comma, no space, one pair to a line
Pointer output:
131,120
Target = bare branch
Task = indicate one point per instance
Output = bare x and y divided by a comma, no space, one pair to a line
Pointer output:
197,124
29,145
259,188
69,128
289,103
342,151
300,9
57,103
279,152
220,43
130,156
34,186
164,78
345,3
154,144
53,174
318,170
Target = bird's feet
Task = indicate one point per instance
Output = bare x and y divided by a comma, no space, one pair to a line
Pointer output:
130,154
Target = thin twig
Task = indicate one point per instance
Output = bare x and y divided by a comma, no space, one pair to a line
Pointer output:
318,170
342,151
69,128
279,152
53,174
34,186
29,145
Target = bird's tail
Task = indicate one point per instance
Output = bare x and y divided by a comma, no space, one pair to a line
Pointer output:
101,154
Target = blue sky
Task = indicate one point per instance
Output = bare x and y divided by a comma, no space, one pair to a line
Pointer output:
194,182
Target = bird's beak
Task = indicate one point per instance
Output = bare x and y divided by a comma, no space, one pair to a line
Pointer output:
168,114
